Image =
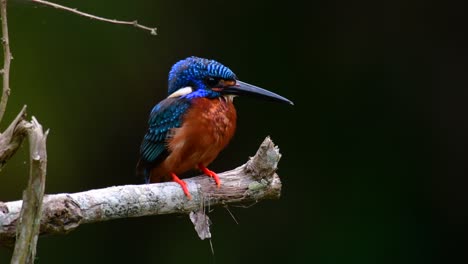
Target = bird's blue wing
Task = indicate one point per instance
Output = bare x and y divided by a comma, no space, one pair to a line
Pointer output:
165,116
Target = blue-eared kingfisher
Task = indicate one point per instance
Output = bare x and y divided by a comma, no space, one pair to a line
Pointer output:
189,128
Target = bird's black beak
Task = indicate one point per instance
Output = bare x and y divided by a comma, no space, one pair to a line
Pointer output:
242,88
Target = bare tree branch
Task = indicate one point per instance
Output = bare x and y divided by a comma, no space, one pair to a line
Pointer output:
6,59
29,220
113,21
62,213
13,136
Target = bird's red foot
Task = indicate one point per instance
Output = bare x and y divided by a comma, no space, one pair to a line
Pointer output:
210,173
182,184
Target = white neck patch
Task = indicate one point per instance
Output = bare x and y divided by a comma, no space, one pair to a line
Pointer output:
228,98
181,92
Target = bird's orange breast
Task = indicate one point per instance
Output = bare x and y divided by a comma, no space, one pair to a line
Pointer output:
207,128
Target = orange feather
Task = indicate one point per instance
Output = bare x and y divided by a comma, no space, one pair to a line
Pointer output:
207,128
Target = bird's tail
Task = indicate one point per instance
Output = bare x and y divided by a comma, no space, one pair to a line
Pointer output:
143,171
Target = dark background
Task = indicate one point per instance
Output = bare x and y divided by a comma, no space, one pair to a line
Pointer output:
374,150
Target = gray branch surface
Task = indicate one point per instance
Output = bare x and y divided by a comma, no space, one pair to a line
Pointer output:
6,59
27,231
12,137
62,213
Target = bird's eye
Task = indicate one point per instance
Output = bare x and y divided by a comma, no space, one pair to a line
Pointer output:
211,81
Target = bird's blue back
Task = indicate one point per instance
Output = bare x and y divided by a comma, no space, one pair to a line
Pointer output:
165,116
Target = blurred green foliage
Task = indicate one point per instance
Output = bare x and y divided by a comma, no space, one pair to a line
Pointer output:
354,146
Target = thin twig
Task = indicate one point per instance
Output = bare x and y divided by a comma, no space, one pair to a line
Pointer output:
27,231
113,21
6,59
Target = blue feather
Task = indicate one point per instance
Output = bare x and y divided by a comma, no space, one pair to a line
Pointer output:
189,71
166,115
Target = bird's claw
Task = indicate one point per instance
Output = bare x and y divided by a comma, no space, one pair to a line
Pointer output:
211,174
182,184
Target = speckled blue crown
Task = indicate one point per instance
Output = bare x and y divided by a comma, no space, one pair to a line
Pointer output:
190,71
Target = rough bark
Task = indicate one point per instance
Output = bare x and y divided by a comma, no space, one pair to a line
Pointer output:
12,137
27,231
6,59
62,213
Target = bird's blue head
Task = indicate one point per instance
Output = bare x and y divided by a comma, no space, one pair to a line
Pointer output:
200,74
198,77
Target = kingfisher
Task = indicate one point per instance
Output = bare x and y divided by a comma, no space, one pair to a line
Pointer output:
189,128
